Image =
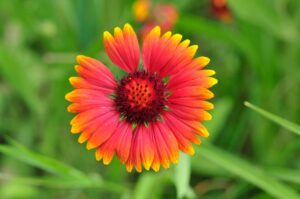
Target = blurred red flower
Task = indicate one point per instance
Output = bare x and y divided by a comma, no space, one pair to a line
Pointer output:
150,15
220,10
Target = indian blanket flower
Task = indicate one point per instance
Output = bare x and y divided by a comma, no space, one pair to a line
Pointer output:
150,114
150,15
220,10
141,10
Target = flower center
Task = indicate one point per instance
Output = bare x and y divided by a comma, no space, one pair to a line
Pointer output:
140,97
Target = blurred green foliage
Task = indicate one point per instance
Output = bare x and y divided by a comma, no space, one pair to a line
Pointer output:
248,155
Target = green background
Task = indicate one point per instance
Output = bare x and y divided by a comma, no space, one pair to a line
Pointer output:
248,155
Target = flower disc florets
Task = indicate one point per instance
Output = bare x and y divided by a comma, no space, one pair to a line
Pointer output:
141,97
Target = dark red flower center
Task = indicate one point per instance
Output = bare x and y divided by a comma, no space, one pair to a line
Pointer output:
140,97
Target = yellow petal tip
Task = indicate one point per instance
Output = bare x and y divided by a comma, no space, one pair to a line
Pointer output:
90,146
107,36
80,58
128,26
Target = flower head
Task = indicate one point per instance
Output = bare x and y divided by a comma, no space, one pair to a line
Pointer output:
220,10
141,10
154,111
150,15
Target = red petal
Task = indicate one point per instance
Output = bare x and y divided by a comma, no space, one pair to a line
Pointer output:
123,48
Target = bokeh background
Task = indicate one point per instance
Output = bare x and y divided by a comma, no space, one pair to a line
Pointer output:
255,52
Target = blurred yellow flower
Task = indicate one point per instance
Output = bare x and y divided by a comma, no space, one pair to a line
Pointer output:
141,10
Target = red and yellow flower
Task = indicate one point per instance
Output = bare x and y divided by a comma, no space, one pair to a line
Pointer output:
150,15
220,10
153,112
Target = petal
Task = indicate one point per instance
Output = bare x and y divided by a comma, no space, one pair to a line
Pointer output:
87,95
199,63
106,127
192,91
95,74
170,141
183,140
106,150
142,150
192,103
134,160
149,47
123,48
182,128
146,146
166,55
124,143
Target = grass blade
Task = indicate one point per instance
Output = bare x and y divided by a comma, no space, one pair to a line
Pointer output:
247,171
278,120
64,183
40,161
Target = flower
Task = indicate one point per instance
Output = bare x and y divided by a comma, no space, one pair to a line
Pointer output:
150,15
141,10
153,112
220,10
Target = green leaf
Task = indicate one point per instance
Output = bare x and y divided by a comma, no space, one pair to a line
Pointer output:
278,120
65,183
40,161
217,31
20,70
263,15
65,176
247,171
182,176
144,186
149,185
285,174
220,114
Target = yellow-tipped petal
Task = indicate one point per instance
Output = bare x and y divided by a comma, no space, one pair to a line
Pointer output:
138,168
209,73
81,58
177,38
107,36
167,35
192,50
207,116
69,96
185,43
203,61
212,81
128,28
90,145
98,155
147,164
203,131
74,81
155,32
107,158
82,138
174,158
75,129
190,150
129,167
155,166
118,32
165,164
